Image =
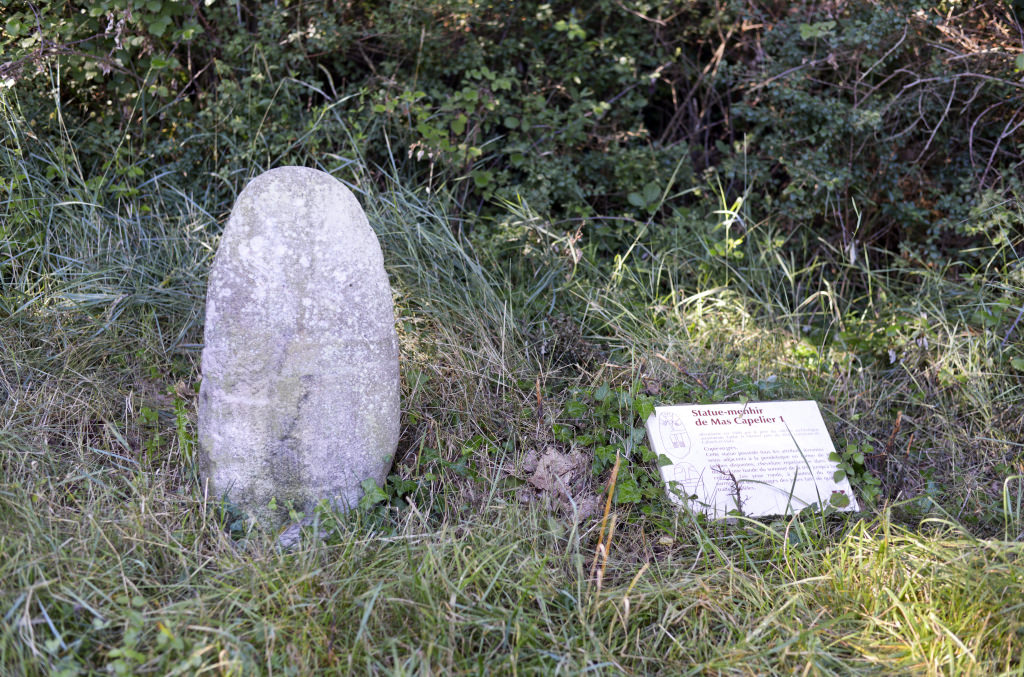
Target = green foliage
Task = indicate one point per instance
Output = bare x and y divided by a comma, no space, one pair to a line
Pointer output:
850,462
149,429
547,107
857,118
372,494
610,422
183,427
107,48
848,120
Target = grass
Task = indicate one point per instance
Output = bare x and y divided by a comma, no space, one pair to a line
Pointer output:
114,561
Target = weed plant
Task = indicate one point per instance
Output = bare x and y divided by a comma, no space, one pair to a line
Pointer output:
113,559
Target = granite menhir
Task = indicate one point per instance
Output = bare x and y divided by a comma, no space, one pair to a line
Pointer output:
300,393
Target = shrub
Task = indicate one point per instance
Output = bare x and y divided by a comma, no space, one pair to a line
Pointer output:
871,122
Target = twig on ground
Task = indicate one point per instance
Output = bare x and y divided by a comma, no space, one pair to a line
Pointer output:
601,553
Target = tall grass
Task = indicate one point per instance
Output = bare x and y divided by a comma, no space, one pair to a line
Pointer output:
112,559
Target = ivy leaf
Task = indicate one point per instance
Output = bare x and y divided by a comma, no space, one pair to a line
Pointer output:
605,456
372,494
562,433
401,487
574,409
839,500
626,489
644,407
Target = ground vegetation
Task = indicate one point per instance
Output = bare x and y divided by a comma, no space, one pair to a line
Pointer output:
585,212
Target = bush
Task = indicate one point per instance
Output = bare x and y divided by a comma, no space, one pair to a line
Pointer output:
873,123
885,120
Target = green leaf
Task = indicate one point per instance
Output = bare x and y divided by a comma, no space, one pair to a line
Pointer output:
511,122
839,500
626,489
636,199
159,26
816,30
1018,362
562,433
839,476
400,486
664,460
189,31
482,178
459,125
651,193
1019,62
602,393
644,407
604,456
574,409
372,494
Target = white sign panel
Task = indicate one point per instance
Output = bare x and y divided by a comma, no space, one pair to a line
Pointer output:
758,458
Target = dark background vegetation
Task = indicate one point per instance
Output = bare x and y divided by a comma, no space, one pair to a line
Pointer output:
892,124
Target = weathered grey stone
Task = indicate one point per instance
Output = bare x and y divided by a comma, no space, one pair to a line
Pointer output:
300,394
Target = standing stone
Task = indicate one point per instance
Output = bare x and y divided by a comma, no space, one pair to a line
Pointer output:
300,394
